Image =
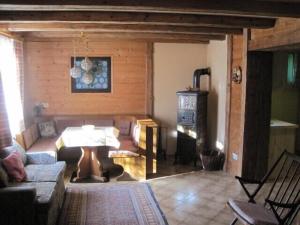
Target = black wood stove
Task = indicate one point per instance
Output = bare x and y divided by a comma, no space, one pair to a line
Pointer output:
192,121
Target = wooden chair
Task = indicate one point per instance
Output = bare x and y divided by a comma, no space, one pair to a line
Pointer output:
282,201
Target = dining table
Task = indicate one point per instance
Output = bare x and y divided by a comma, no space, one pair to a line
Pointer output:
92,141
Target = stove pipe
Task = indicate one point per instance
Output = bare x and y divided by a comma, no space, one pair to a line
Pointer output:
197,74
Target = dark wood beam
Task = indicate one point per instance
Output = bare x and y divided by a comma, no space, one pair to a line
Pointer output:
136,18
34,39
144,36
221,7
131,28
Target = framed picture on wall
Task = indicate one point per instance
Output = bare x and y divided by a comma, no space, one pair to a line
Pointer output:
91,74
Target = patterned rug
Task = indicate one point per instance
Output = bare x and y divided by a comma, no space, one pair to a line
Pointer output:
117,204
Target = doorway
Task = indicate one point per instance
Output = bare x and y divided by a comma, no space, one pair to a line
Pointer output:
285,111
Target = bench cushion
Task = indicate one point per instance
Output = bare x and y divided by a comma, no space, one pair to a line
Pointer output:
127,144
44,144
100,122
30,136
124,126
45,172
62,124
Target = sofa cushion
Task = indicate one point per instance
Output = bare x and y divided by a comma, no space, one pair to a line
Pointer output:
14,148
100,122
3,176
45,172
45,157
44,144
14,167
47,129
62,124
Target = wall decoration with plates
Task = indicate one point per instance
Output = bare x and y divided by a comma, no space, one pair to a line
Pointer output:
91,74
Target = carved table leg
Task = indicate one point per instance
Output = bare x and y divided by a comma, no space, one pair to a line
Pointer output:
89,165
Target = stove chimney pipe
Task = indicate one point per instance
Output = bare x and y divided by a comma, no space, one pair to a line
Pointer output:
197,74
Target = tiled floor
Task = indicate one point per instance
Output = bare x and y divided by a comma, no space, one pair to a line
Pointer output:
190,196
196,197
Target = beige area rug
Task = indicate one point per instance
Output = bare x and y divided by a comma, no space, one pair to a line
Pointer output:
114,204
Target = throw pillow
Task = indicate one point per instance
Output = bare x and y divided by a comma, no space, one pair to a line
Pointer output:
3,177
14,167
16,148
47,129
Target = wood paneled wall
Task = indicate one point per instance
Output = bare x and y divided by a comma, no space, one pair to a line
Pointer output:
47,78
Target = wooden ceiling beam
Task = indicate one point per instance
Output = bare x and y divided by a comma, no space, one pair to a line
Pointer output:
135,18
221,7
36,39
112,35
131,28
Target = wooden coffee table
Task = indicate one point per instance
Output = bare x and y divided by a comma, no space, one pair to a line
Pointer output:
91,141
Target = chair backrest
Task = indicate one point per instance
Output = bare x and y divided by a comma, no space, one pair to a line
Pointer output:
284,187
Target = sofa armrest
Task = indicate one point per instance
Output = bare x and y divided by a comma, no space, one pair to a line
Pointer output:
17,194
17,205
49,157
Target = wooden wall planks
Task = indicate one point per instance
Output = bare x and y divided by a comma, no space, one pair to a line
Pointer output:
285,34
47,78
235,142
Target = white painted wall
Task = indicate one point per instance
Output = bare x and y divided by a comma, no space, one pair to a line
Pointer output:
174,66
217,61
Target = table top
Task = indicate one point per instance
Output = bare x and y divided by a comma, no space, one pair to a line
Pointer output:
92,137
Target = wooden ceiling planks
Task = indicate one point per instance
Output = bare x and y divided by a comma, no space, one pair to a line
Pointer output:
135,18
169,20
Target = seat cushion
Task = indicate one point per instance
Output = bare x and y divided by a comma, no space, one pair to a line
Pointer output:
43,144
45,172
253,213
127,144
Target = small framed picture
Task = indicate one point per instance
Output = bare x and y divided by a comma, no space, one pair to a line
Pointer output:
91,74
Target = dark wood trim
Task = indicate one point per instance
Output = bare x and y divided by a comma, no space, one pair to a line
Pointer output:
228,99
243,99
257,115
149,88
154,37
136,18
159,40
221,7
96,27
